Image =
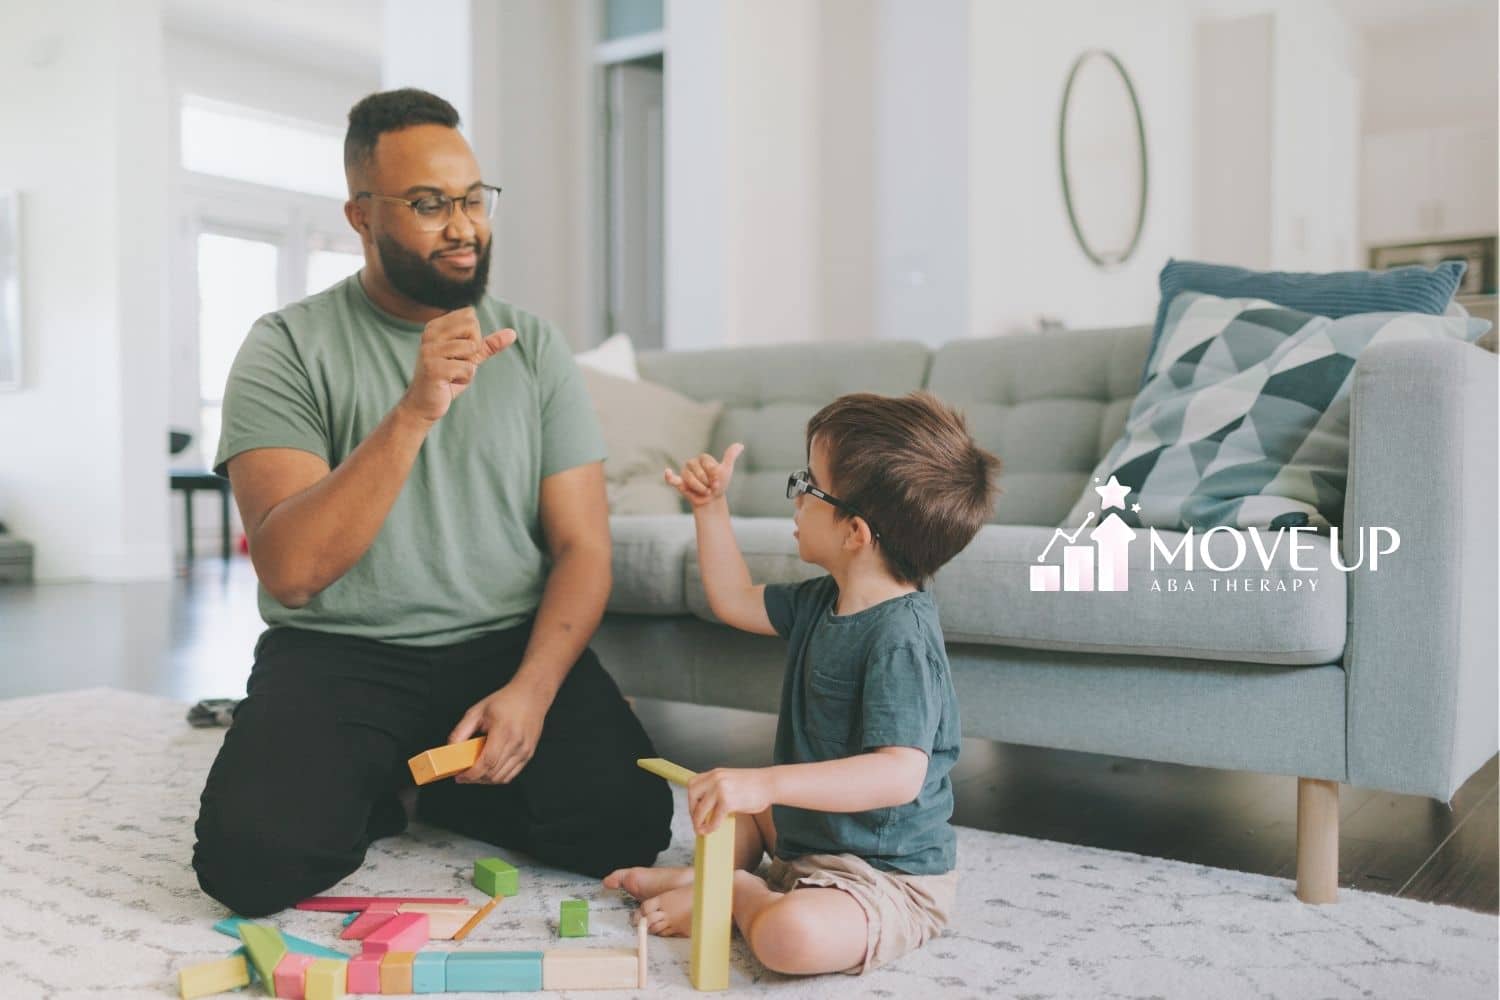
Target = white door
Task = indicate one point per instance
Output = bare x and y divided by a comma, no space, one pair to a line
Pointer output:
635,149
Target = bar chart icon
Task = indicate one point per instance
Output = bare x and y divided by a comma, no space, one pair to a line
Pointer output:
1103,565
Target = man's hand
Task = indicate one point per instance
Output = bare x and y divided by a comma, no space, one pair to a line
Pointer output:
511,721
705,479
712,795
451,351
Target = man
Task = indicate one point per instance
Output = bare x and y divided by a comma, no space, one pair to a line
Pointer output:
419,472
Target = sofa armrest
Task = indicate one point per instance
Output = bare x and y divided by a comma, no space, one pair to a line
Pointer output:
1421,654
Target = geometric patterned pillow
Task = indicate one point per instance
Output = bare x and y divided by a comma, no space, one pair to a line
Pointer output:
1244,416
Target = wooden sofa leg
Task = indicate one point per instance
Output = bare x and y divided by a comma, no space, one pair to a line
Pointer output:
1317,840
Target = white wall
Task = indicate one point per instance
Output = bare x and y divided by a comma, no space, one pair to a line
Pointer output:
1436,70
846,168
82,446
1023,259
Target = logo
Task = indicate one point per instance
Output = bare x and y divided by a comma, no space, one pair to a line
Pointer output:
1103,564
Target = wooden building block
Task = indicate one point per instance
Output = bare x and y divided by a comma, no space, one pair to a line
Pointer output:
495,877
327,979
479,915
445,761
494,971
713,892
291,975
230,926
266,949
403,932
675,773
573,918
364,973
366,923
208,978
590,969
429,972
350,904
395,971
641,933
443,919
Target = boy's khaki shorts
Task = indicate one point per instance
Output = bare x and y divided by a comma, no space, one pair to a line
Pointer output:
903,912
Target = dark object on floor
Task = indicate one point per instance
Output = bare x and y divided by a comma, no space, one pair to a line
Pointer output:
212,712
15,559
189,480
177,441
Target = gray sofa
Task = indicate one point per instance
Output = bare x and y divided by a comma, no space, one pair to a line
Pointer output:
1381,679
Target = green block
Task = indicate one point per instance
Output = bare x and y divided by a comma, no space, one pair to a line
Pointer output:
573,921
496,877
266,949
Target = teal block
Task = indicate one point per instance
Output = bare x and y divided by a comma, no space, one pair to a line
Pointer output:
573,920
494,971
352,917
495,877
429,972
230,926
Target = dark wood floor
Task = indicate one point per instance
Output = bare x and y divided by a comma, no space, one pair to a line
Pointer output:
192,638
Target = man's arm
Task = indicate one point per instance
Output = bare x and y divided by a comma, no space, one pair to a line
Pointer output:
575,521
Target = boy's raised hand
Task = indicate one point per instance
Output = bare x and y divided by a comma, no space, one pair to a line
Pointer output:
705,479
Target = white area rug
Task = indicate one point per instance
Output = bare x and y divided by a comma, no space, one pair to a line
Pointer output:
99,790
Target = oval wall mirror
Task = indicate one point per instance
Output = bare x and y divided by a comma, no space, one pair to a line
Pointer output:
1101,144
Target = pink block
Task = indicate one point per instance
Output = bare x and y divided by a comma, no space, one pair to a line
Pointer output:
364,973
366,924
291,975
403,932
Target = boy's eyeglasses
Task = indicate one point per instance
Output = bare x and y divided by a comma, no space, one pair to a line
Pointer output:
800,482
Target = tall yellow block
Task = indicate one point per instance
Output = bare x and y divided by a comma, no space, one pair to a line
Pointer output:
208,978
713,917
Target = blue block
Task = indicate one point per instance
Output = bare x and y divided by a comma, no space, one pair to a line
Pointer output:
300,945
428,972
494,971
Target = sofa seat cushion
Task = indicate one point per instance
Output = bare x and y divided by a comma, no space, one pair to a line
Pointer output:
984,596
770,552
647,562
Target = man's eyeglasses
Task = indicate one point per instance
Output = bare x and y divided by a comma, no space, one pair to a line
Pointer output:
800,482
433,211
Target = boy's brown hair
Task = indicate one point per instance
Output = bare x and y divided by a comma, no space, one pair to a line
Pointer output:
913,471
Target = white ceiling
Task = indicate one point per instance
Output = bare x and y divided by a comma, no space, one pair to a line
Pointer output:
340,35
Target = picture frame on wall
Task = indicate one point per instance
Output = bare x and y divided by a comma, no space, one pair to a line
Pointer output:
11,368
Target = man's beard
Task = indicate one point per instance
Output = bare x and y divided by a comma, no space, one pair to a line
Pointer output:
419,279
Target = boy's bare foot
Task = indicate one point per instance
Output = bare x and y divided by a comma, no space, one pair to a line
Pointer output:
643,883
671,913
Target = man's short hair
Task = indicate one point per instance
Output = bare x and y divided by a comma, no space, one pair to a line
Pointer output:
913,471
390,111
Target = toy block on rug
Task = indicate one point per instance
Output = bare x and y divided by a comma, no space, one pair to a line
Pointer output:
494,971
291,975
230,926
429,972
445,761
395,971
364,973
351,904
495,877
403,932
366,923
208,978
590,969
479,915
443,919
327,980
266,950
573,918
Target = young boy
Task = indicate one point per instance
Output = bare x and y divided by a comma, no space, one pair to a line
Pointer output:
854,814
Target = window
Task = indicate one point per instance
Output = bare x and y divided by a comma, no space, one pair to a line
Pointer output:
326,268
245,144
236,286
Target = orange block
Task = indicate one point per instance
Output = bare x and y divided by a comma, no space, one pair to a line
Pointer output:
445,761
395,971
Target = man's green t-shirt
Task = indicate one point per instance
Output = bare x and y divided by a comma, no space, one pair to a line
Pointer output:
462,551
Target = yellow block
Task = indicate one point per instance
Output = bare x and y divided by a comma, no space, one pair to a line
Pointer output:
445,761
327,979
713,896
675,773
208,978
590,969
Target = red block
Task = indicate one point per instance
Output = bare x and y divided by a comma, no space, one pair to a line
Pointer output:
366,924
291,975
364,973
350,904
403,932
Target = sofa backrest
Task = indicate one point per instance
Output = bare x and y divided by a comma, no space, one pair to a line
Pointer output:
769,393
1049,404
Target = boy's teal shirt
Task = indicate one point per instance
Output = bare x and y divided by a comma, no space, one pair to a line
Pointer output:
853,683
462,550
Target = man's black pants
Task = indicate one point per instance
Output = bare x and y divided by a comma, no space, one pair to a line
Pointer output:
310,772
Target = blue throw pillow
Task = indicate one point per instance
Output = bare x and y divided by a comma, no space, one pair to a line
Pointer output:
1336,294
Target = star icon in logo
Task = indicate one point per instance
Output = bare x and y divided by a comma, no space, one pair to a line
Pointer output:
1135,508
1112,494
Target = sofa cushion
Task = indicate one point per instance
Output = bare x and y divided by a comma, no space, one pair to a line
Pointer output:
770,392
647,427
1049,404
985,596
647,560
